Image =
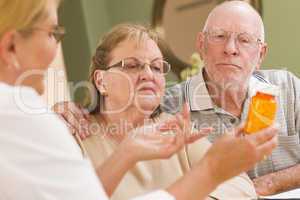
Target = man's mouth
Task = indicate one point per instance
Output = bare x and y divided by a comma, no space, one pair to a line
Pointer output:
230,65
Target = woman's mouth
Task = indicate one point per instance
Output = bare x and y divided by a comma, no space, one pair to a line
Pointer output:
147,91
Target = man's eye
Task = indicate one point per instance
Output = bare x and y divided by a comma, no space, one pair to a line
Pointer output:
220,36
244,39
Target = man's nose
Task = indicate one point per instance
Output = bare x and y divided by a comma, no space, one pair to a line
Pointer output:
230,47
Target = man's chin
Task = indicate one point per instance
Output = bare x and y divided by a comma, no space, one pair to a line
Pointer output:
229,81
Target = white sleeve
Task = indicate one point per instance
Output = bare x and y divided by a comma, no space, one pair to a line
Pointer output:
157,195
39,160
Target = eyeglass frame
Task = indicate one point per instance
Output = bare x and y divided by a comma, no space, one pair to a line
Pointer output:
122,64
256,40
58,32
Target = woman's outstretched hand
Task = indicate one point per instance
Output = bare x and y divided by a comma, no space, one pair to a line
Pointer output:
163,139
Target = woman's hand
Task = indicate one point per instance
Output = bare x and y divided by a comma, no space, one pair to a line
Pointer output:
228,157
233,154
162,140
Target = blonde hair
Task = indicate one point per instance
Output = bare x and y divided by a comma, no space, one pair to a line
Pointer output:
122,32
21,14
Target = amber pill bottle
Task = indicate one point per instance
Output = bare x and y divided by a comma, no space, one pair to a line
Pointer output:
262,110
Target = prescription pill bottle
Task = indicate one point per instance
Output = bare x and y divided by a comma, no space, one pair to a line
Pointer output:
262,109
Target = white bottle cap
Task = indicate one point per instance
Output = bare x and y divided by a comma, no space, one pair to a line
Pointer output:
270,90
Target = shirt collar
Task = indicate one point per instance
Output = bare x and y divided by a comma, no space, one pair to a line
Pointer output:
197,93
199,98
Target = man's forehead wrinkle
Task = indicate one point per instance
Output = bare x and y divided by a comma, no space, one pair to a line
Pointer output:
241,12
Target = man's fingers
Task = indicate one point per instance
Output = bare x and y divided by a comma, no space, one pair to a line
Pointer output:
71,129
60,107
68,119
85,112
73,116
80,117
80,127
71,120
78,112
263,135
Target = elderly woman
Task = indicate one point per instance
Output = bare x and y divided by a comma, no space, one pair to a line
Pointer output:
126,126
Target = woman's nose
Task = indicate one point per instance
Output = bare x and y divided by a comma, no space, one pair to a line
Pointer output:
146,72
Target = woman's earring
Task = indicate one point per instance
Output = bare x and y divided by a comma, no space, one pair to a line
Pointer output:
16,65
102,90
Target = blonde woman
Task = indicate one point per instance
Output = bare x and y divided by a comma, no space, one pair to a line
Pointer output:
34,163
129,148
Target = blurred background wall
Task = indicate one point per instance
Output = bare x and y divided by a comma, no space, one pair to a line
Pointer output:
281,20
87,20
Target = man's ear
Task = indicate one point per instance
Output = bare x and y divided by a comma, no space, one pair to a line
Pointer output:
262,54
98,80
200,44
8,50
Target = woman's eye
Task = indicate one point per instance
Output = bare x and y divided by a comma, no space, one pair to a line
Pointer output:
156,68
132,65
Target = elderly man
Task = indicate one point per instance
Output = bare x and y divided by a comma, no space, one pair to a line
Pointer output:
232,47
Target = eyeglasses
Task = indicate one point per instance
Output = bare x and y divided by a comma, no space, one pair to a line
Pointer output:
134,65
58,32
243,40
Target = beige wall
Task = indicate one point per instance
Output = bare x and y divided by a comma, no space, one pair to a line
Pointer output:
283,34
